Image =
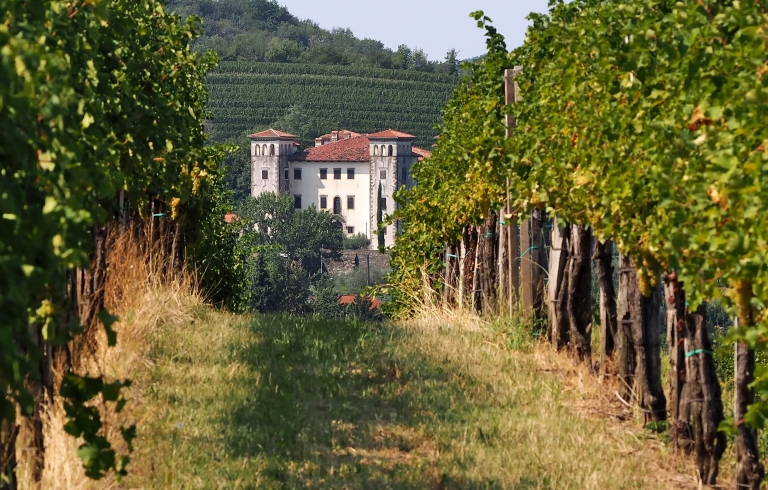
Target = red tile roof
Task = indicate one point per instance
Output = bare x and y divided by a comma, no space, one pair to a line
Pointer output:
230,217
334,136
391,134
350,298
421,153
356,149
271,133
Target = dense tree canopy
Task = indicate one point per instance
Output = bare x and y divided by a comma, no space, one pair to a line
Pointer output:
271,222
263,30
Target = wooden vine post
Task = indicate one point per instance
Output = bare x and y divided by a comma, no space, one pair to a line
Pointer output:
510,229
638,345
578,301
558,256
695,404
749,469
603,259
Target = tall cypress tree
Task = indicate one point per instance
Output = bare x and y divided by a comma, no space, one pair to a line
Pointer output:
379,219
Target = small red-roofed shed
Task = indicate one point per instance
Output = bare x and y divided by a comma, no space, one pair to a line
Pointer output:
347,299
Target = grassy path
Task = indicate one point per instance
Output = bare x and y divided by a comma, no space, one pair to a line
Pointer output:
235,402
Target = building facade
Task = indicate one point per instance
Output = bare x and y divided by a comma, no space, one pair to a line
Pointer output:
340,175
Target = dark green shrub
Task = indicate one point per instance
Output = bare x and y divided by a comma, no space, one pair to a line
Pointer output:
356,242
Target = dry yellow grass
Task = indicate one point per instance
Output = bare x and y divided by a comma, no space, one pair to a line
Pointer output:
147,300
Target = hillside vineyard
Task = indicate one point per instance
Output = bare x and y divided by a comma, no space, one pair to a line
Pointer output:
248,96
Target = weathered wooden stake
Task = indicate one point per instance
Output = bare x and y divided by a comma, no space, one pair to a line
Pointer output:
695,405
639,356
680,430
532,279
603,257
749,469
476,269
462,267
513,236
557,293
487,263
579,300
451,263
503,260
703,396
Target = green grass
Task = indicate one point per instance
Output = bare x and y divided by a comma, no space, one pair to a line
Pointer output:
275,402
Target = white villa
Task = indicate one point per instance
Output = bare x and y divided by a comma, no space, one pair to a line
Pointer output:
341,174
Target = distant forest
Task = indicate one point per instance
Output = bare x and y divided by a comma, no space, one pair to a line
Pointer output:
263,30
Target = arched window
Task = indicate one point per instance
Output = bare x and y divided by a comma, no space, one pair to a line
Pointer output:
390,150
383,150
264,150
375,150
258,150
337,205
271,149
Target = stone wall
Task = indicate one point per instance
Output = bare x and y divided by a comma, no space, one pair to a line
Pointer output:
347,263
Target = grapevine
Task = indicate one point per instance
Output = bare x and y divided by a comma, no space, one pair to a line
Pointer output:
98,100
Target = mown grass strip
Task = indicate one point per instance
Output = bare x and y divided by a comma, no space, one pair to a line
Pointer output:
275,402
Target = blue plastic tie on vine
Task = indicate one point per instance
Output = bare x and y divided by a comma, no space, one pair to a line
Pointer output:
454,256
529,249
698,351
502,222
157,215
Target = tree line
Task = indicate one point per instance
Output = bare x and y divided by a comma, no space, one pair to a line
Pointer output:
263,30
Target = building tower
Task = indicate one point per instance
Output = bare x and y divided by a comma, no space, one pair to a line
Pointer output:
391,156
270,151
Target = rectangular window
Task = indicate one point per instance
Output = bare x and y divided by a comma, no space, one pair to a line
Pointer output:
383,204
350,202
405,174
336,174
323,173
323,202
350,173
297,202
383,174
285,174
264,174
350,229
296,174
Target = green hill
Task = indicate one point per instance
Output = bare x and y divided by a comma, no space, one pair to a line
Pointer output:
309,100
